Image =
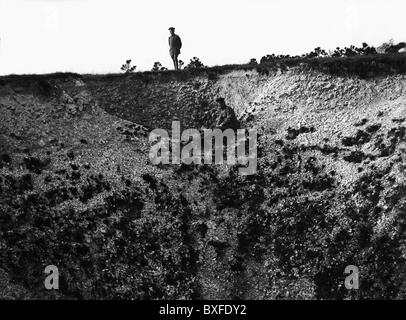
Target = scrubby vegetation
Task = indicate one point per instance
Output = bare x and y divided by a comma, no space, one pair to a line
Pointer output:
181,64
194,63
158,67
127,68
253,62
350,51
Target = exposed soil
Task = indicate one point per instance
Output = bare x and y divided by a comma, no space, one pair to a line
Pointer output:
78,190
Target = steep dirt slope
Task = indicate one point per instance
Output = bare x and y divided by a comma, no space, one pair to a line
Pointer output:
78,191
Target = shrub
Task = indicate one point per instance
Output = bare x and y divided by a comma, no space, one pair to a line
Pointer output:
158,67
272,58
366,49
384,46
318,52
396,48
253,62
127,68
321,53
195,63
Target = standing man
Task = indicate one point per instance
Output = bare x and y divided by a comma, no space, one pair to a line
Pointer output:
174,47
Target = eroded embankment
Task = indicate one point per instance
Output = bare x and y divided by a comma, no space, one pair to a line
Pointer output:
78,191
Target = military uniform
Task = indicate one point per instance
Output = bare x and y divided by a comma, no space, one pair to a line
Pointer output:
175,44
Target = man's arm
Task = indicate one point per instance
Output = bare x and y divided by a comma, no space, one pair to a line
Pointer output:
180,43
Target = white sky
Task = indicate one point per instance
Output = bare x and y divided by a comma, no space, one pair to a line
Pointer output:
97,36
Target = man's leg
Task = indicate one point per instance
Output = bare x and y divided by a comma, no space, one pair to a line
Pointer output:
176,61
173,57
173,60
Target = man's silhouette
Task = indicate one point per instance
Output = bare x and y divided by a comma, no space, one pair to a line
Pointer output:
174,47
226,116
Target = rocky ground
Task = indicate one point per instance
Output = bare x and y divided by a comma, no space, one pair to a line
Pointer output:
78,190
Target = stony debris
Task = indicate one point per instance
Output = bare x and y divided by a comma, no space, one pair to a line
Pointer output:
78,190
